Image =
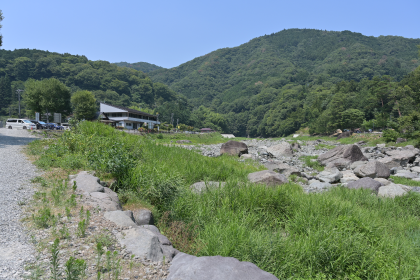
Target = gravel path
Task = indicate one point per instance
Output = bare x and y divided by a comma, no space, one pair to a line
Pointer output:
15,188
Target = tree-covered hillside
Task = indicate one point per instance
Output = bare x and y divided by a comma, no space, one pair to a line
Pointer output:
109,83
140,66
298,56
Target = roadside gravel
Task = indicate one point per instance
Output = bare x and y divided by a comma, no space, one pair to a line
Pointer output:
15,188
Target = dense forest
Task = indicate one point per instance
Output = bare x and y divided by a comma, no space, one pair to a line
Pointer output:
271,86
140,66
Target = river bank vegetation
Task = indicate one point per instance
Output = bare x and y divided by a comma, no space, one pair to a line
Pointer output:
339,234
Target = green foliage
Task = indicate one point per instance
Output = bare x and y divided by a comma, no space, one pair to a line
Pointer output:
47,96
84,104
75,269
312,164
140,66
44,218
1,18
55,273
81,228
390,135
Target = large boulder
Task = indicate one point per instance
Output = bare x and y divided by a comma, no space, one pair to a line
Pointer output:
393,190
284,149
403,156
88,183
347,153
282,168
267,177
234,148
199,187
344,135
143,217
103,201
187,267
372,169
330,175
390,162
119,218
365,183
146,244
317,186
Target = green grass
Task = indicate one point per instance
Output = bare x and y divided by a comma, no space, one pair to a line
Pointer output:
405,181
324,146
339,234
312,164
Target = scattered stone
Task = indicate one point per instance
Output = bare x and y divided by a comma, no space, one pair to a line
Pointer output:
416,169
269,178
372,169
143,217
348,176
401,140
119,218
365,183
406,174
317,186
330,175
199,187
102,201
86,182
187,267
356,164
246,156
350,153
393,190
234,148
282,168
344,135
383,181
284,149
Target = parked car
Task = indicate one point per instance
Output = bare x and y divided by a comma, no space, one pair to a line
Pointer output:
20,123
66,126
39,124
43,125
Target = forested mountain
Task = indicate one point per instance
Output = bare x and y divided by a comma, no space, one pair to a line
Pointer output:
298,56
270,86
140,66
109,83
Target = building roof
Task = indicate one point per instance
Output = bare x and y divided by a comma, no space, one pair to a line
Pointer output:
130,110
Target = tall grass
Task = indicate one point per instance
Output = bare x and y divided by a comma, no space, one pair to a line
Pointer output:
339,234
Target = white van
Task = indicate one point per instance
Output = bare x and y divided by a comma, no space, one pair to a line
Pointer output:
20,123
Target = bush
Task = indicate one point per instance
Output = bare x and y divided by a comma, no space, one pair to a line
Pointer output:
390,135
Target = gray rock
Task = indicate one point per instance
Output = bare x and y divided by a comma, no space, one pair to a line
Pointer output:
269,178
383,181
282,168
330,175
356,164
403,156
401,140
390,162
202,186
344,135
246,156
348,176
317,185
365,183
393,190
119,218
349,153
142,243
416,169
416,189
281,150
406,174
372,169
152,228
340,163
87,183
380,145
143,217
187,267
234,148
102,201
129,214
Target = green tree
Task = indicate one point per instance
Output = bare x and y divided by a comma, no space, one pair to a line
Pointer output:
84,105
352,118
47,96
5,92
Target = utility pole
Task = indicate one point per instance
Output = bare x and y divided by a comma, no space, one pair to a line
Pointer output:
18,92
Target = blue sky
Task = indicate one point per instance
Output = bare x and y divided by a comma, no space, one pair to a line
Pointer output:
169,33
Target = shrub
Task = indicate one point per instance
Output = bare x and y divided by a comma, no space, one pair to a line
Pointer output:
390,135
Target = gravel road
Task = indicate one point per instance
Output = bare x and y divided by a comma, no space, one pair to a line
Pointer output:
15,187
